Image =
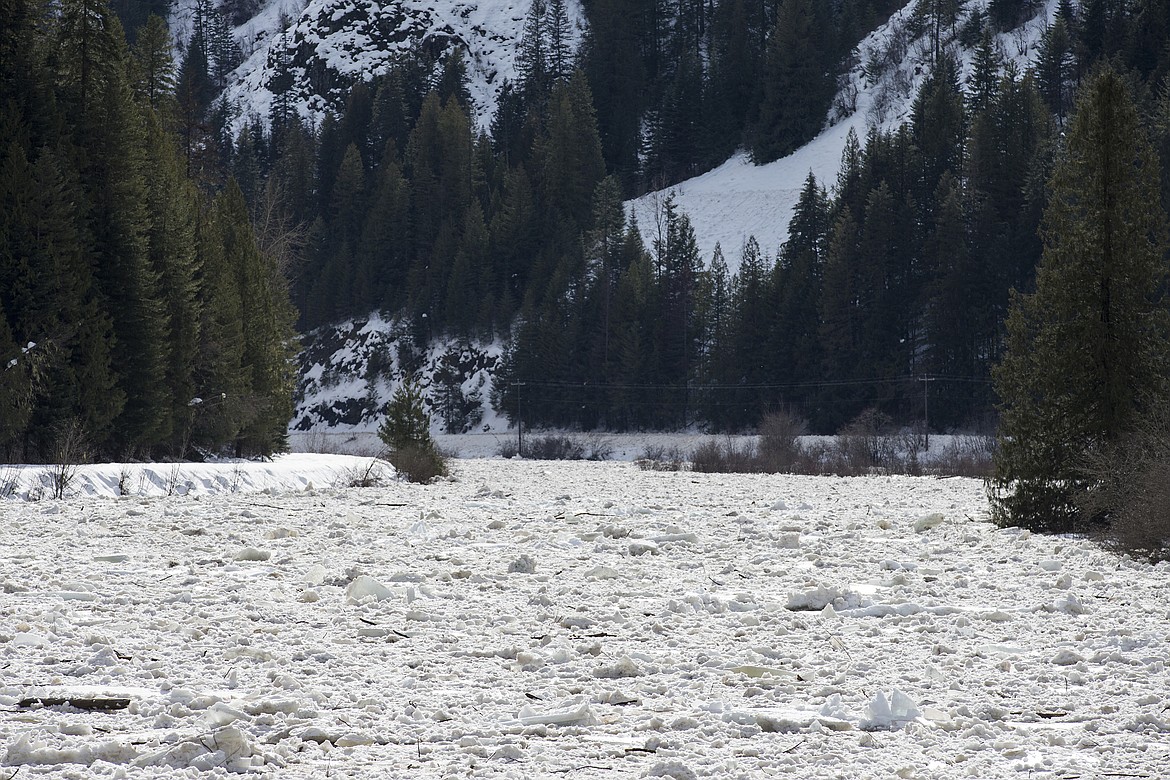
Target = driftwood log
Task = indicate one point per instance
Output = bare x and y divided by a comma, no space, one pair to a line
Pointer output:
92,703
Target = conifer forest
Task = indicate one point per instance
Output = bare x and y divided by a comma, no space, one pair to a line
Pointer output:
159,252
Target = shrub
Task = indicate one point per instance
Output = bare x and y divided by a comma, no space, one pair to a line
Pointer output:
715,457
559,447
863,446
1131,493
659,457
419,464
779,447
965,456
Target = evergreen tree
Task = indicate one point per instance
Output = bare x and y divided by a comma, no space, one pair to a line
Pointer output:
155,76
220,407
797,284
1087,351
557,31
1056,68
570,157
266,321
110,140
612,62
984,78
172,204
734,79
939,130
798,80
15,390
532,56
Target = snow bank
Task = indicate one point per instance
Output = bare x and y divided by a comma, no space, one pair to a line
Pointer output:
282,474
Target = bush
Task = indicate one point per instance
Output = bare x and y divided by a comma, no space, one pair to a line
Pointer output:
1131,493
965,456
659,457
419,464
779,448
559,447
864,446
715,457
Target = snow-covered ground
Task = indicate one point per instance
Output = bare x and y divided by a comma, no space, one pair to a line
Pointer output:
581,620
294,471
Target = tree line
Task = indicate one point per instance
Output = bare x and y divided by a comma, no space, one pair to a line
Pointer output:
148,225
897,272
140,313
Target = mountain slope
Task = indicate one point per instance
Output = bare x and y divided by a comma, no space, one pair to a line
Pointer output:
739,199
330,44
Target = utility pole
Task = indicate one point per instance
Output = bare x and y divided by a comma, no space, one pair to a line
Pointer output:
519,421
926,380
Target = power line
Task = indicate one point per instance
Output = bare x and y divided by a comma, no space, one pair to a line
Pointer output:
690,387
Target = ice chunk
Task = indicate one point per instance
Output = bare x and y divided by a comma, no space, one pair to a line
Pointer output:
1067,657
622,667
602,573
891,712
788,541
522,565
813,600
926,522
568,716
673,769
364,586
642,547
252,554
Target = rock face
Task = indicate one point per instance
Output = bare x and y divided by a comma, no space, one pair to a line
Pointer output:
321,52
348,371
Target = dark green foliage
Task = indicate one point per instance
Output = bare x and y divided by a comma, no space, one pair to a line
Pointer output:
406,431
1087,351
110,266
799,80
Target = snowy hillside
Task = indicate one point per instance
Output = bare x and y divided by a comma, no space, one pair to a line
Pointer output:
349,371
330,44
584,620
739,199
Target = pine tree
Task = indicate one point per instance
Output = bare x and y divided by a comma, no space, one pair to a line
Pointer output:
939,129
797,286
172,204
266,319
570,157
612,62
557,31
532,57
984,79
155,76
383,258
220,406
798,80
109,138
840,321
1088,350
1056,68
734,79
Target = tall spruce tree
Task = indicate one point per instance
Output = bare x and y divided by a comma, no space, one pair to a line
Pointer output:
798,80
1088,350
